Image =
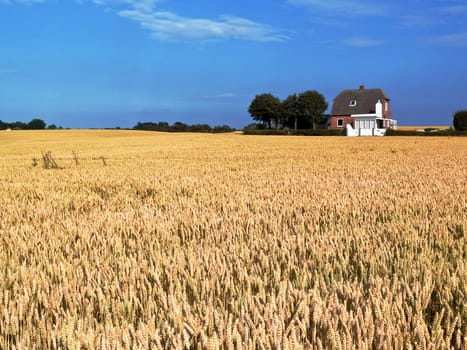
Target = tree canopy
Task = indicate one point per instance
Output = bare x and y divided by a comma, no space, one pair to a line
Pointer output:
311,107
460,120
266,108
34,124
291,111
298,111
181,127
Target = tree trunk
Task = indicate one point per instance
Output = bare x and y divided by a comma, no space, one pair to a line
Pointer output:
296,124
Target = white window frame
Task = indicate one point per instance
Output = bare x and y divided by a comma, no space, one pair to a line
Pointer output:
340,122
353,103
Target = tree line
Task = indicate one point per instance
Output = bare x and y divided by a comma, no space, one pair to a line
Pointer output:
298,111
34,124
181,127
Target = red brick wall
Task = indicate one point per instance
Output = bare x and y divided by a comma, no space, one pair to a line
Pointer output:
388,113
333,121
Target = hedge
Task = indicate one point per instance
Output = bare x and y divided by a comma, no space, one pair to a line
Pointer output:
302,132
427,132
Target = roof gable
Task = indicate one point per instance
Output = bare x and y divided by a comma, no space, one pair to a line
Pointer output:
360,101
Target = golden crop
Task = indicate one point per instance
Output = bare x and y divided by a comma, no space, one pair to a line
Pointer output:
169,241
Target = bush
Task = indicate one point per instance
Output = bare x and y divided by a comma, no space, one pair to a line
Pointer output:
320,132
264,132
255,126
460,120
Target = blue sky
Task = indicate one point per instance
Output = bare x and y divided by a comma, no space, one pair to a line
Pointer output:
107,63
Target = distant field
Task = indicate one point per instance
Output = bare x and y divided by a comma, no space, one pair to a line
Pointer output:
145,240
442,127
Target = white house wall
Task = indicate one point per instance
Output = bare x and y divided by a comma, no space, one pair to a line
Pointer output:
367,124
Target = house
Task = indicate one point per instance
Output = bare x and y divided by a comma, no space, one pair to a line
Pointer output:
362,112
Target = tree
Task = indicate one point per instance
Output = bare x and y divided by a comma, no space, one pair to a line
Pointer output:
36,124
52,126
163,126
148,126
18,125
311,106
200,128
222,128
291,111
266,108
460,120
179,127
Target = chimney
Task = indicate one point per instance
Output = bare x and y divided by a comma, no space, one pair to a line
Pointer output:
379,109
362,87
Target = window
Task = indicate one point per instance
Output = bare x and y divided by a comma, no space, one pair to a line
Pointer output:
386,106
353,103
340,122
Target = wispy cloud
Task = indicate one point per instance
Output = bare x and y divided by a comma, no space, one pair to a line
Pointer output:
430,16
8,71
169,26
362,42
419,21
404,13
452,40
141,5
455,10
25,2
227,95
342,7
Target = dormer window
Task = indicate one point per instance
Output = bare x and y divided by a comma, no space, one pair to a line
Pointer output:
353,103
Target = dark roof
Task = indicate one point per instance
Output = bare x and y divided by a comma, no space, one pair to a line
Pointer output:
366,100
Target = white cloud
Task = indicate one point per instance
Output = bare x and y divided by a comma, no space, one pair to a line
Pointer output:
169,26
452,40
165,25
362,42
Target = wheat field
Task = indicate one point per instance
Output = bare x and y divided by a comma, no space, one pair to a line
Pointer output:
141,240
